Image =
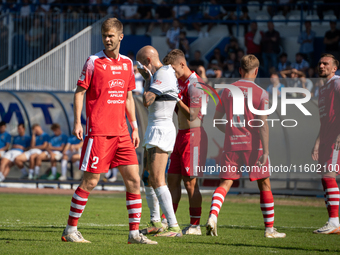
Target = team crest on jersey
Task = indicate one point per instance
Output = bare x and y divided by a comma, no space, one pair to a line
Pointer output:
104,66
116,83
157,82
125,66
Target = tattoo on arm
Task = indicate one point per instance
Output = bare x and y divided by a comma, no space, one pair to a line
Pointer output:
149,98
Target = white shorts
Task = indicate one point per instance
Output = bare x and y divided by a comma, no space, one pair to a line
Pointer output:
163,137
12,154
2,153
58,155
30,152
70,153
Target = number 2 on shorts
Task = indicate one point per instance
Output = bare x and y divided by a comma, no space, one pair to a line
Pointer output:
95,162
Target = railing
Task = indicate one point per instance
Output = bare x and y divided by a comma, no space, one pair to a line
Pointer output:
24,39
57,70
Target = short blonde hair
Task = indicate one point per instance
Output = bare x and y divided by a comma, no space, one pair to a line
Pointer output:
112,23
327,55
249,62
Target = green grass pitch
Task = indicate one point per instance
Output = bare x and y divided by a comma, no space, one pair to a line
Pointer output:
33,224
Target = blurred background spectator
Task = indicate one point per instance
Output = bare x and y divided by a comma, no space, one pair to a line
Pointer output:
172,36
275,83
197,61
139,82
183,44
252,40
331,40
213,11
129,11
283,62
300,64
306,39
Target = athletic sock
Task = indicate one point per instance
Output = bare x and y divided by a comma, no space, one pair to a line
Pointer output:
76,164
165,202
31,171
332,199
217,201
153,204
134,207
63,167
175,206
54,170
78,203
114,172
36,170
267,208
195,215
108,174
2,177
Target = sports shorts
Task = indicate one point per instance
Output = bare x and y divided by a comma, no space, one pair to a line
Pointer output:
30,152
12,154
190,152
2,153
70,153
162,137
234,163
58,155
101,153
329,158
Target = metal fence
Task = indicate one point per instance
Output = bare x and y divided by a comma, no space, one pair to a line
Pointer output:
58,69
24,39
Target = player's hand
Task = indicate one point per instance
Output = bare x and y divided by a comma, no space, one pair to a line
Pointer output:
262,160
78,131
180,96
315,153
144,71
135,138
337,143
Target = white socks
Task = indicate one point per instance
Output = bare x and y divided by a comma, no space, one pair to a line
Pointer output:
153,204
54,170
334,221
63,167
31,171
36,170
2,177
70,229
165,201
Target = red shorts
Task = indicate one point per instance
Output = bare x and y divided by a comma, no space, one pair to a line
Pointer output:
101,153
234,163
190,151
329,158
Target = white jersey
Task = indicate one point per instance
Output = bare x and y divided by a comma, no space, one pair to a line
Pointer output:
161,131
165,85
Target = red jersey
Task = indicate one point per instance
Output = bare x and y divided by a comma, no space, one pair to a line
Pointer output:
192,95
329,110
252,48
241,136
107,82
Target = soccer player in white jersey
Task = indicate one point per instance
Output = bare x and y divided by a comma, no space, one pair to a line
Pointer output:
327,144
108,81
160,97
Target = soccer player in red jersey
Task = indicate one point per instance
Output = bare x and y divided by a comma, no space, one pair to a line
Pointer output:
327,144
191,142
108,80
245,145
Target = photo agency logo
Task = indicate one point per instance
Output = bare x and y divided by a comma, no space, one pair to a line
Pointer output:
239,96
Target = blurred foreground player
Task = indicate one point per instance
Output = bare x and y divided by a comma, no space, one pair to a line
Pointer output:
160,97
327,144
245,145
191,142
108,80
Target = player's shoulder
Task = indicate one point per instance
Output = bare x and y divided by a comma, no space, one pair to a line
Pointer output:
94,57
166,71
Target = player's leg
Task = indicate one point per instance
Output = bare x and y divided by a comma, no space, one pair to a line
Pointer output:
4,167
155,224
53,160
19,162
63,164
31,170
216,204
331,190
39,159
78,203
195,203
157,160
174,184
267,208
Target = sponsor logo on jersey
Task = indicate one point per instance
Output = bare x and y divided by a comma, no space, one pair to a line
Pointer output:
125,66
116,83
157,82
115,72
115,101
104,66
116,68
187,169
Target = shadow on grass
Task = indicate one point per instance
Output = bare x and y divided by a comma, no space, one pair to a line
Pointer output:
269,246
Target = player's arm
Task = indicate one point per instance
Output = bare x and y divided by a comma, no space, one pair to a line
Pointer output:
315,150
40,147
264,136
78,146
77,108
6,147
33,140
60,148
148,98
219,115
66,148
17,146
131,115
190,113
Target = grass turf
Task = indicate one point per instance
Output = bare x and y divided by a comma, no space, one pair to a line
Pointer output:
33,224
